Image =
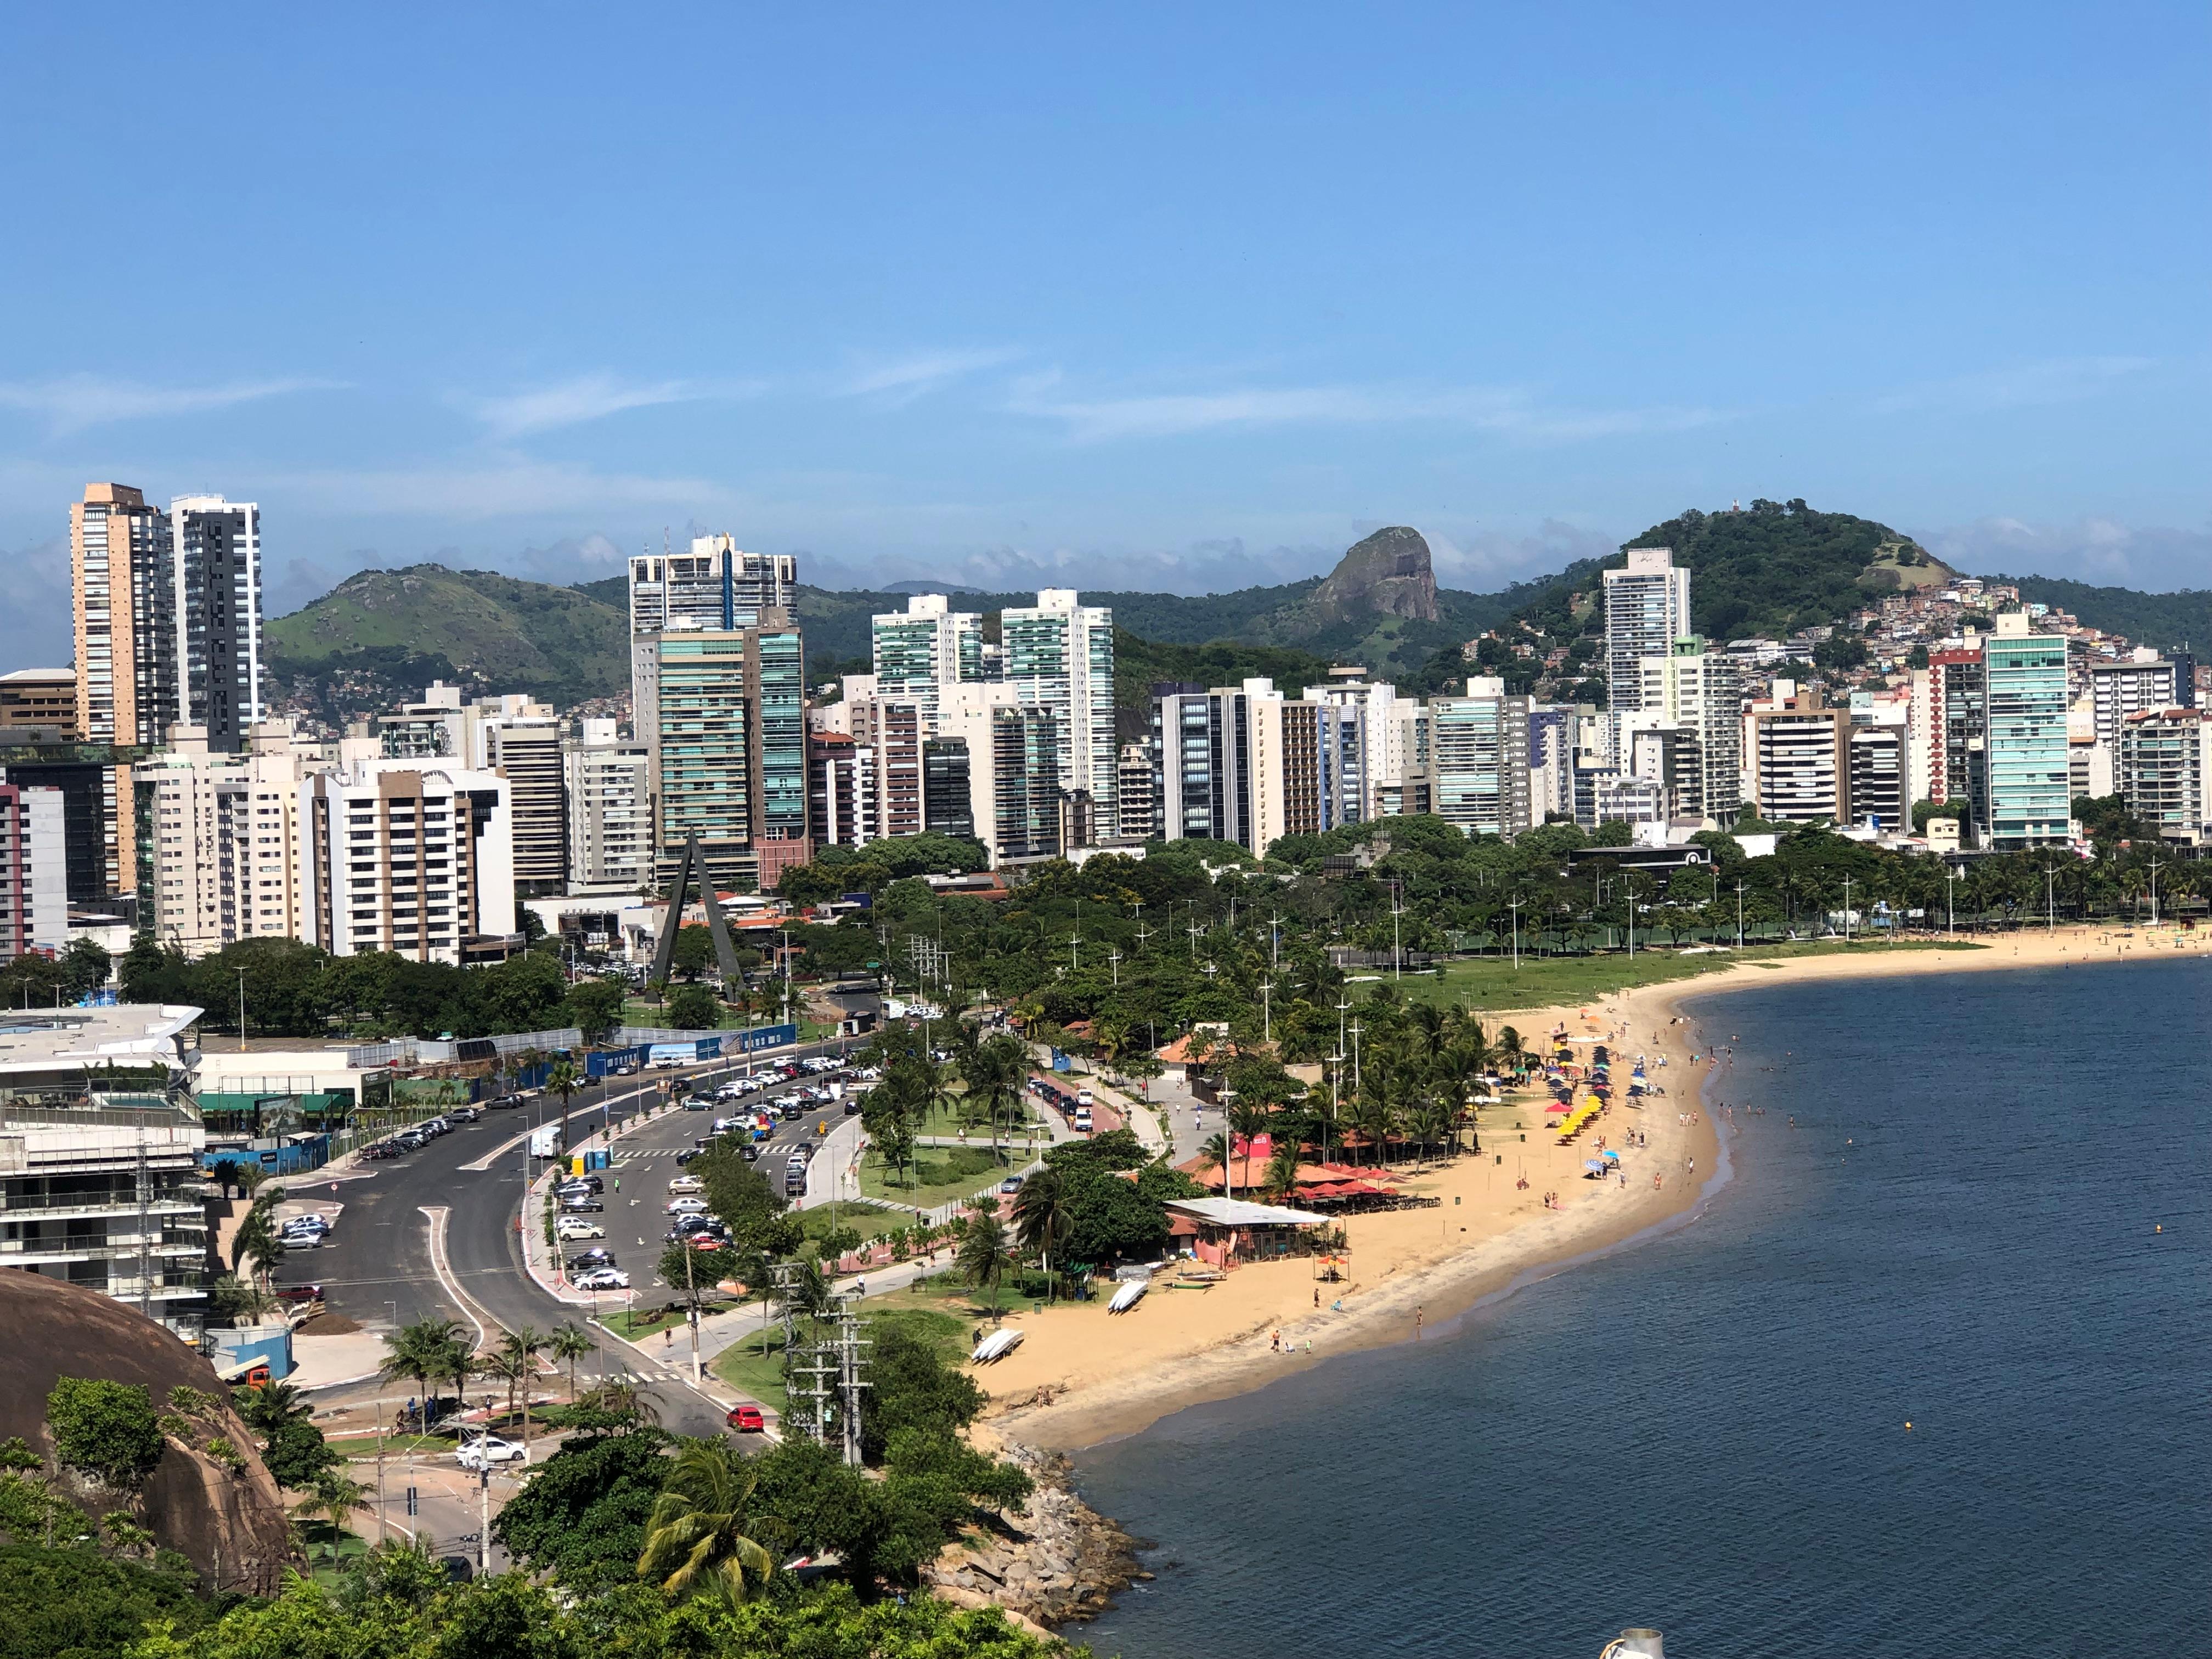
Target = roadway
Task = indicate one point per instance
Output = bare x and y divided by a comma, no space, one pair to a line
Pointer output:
426,1235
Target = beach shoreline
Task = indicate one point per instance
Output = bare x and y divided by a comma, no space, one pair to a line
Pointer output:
1105,1386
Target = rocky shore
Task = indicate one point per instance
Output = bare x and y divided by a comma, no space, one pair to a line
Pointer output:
1058,1562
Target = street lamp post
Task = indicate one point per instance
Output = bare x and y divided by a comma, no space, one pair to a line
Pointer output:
1739,916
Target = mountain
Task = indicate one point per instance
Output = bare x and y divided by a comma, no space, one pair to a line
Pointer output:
386,633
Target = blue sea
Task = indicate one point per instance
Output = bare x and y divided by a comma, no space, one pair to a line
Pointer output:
1705,1431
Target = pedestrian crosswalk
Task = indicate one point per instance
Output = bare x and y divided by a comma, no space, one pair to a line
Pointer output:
628,1153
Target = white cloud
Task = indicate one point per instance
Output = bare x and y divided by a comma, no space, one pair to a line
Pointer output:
901,380
590,397
511,486
1506,411
2094,549
75,401
2051,380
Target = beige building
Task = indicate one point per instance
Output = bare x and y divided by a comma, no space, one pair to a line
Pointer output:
122,589
219,839
412,858
39,698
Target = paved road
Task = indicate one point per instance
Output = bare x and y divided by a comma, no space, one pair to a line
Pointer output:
380,1268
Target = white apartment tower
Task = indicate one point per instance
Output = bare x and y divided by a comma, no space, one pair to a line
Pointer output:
415,861
220,855
1647,608
609,830
1696,693
922,650
1059,658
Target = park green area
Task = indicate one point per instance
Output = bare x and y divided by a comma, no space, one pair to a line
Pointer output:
1491,982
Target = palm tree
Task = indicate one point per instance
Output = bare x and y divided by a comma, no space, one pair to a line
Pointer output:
422,1351
564,1080
499,1365
336,1495
568,1344
620,1397
1041,1218
1283,1168
983,1257
268,1406
524,1346
696,1538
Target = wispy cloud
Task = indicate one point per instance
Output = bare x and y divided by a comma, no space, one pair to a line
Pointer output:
902,380
2021,386
590,397
2091,549
1507,410
511,486
74,401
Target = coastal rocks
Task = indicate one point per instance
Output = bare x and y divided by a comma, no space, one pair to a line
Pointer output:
1058,1561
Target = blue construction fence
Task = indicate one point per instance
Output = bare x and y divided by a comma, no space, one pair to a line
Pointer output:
603,1062
290,1155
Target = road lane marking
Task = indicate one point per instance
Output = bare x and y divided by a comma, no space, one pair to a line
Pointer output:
437,1215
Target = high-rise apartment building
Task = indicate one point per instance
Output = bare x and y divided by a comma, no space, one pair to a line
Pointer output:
716,585
609,784
2165,764
33,872
1696,693
1136,807
923,649
222,849
2119,691
1647,608
1800,753
729,751
1954,725
1477,762
947,784
841,790
1026,820
123,591
2024,756
1059,658
217,612
1365,747
407,858
521,740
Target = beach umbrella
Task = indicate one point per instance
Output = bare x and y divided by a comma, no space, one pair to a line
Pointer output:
1557,1106
1597,1163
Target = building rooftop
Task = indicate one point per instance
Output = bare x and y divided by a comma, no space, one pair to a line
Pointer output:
44,1038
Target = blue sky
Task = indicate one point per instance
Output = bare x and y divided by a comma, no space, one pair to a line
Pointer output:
1139,296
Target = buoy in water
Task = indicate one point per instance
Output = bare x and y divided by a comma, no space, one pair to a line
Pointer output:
1908,1426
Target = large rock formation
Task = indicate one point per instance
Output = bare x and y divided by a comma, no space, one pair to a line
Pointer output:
231,1526
1387,574
1059,1561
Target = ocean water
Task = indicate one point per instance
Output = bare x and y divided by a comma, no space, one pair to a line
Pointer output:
1705,1431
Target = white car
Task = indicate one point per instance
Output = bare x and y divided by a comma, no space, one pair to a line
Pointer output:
687,1206
487,1449
576,1226
687,1183
603,1278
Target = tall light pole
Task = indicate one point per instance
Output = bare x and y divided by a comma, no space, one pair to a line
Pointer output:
1397,945
1274,941
2155,867
1739,916
1847,909
2050,897
1113,958
1951,902
1513,905
241,1010
1194,930
1267,1012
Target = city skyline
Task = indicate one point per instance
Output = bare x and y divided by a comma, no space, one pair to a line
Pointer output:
1464,272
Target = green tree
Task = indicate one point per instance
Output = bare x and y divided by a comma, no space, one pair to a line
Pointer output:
336,1495
1042,1220
983,1258
694,1008
428,1350
581,1516
696,1538
109,1430
569,1343
76,1604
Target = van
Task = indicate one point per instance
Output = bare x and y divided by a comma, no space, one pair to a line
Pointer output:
1082,1120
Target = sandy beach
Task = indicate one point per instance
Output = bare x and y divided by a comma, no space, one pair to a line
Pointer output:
1411,1270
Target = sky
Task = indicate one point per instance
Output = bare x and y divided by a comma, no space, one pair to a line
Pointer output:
1142,296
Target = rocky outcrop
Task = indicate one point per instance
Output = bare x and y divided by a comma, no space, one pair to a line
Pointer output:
229,1522
1387,574
1057,1562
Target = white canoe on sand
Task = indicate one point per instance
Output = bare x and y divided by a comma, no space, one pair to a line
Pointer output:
1128,1296
997,1346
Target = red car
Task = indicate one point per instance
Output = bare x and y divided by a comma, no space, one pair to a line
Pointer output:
747,1419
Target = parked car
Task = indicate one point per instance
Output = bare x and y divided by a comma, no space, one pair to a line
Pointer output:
585,1261
688,1154
465,1114
687,1205
747,1419
585,1205
751,1151
793,1111
570,1227
852,1105
299,1294
597,1183
488,1449
603,1278
628,1068
503,1103
686,1183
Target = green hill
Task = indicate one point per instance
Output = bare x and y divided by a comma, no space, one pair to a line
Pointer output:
2164,620
391,631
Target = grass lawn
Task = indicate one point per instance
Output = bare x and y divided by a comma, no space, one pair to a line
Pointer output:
869,1220
743,1367
1491,982
397,1445
937,1174
315,1542
634,1326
